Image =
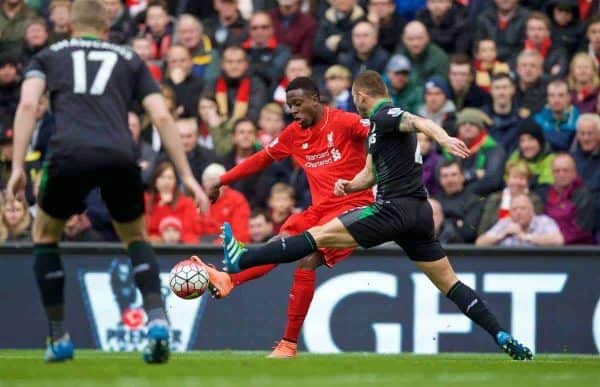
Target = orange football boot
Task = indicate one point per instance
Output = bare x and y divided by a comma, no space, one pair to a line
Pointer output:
219,282
284,350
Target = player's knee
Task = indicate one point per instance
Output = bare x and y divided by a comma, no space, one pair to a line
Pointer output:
311,262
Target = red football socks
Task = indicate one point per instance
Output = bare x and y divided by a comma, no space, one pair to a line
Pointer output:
301,296
249,274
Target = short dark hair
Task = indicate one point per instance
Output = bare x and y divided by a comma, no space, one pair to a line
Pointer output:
241,121
304,83
499,76
592,20
258,212
371,83
448,163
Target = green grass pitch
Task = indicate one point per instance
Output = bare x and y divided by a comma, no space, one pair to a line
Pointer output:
240,369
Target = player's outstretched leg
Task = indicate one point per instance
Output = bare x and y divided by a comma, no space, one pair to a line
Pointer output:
219,283
50,278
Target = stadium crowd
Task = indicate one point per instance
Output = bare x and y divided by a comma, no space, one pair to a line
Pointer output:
517,81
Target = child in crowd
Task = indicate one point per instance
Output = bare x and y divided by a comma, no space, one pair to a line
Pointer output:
281,204
338,81
170,229
487,63
270,123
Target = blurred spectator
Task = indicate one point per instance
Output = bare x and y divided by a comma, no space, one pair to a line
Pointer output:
60,20
588,8
231,207
566,25
146,156
44,127
180,78
13,20
297,66
281,205
487,64
235,86
404,92
426,58
16,221
570,203
164,200
464,92
559,117
531,87
121,27
214,133
270,123
537,33
170,229
504,112
365,54
190,34
593,36
198,157
587,157
10,90
505,24
143,47
497,205
244,145
483,169
335,30
36,38
584,83
338,81
446,21
431,162
438,107
227,27
260,227
534,150
445,230
382,14
408,8
158,30
267,56
78,228
522,228
294,28
461,207
99,216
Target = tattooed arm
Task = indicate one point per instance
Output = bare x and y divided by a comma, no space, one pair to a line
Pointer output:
410,123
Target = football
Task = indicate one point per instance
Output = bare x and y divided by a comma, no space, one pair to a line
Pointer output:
188,279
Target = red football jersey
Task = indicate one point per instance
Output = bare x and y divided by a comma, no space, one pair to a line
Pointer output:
333,148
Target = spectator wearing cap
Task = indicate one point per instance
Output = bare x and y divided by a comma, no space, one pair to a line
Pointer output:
584,82
14,15
487,64
267,56
180,77
338,81
408,8
592,34
121,27
464,91
570,203
566,27
446,21
427,59
294,28
365,54
170,229
531,86
227,27
231,207
10,89
535,151
504,112
559,118
522,228
505,24
382,14
587,157
483,169
36,39
205,58
404,92
537,33
438,107
334,34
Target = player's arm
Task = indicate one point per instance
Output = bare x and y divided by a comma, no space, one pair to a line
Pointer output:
161,118
24,125
363,180
410,123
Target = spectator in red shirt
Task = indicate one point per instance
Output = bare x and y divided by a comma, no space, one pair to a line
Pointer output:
170,230
294,28
166,200
143,48
270,123
584,82
230,207
537,33
281,205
